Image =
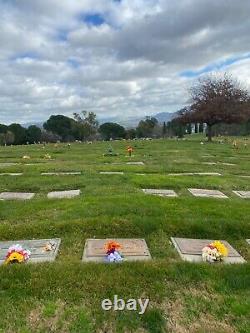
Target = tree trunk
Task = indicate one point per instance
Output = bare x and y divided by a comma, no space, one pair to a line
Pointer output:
209,133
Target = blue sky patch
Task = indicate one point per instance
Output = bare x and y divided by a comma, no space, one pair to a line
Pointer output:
62,35
92,19
216,66
73,63
25,55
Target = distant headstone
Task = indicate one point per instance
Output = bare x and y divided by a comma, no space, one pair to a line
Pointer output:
191,250
243,194
135,163
11,174
60,173
132,249
112,173
195,174
248,241
160,192
229,164
63,194
7,164
30,164
38,248
209,163
16,196
207,193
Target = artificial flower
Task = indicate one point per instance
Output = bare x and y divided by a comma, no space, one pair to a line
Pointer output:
16,254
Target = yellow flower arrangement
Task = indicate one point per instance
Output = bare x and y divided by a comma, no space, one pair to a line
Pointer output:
221,248
16,254
14,257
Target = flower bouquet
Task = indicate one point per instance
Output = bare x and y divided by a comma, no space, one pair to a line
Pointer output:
214,252
112,252
47,157
16,254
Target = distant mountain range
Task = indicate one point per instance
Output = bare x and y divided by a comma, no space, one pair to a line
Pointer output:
128,122
133,121
38,124
165,116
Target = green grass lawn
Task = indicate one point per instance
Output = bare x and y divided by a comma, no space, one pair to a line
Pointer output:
65,296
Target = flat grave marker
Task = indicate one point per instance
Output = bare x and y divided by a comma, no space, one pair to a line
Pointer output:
132,249
32,163
207,156
63,194
195,174
209,163
191,250
218,163
135,163
61,173
11,174
197,192
243,194
160,192
230,164
16,196
36,247
114,163
111,173
7,164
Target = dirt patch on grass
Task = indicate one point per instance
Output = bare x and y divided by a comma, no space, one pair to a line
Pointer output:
42,318
179,319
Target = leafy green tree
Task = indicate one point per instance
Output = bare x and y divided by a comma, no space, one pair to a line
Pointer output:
112,131
164,129
3,128
189,129
176,128
47,136
146,127
86,125
131,133
34,134
62,126
201,128
7,138
19,132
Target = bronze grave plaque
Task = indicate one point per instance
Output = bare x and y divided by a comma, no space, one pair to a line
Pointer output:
132,249
36,247
191,249
204,193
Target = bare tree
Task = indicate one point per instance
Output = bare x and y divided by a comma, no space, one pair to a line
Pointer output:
87,124
217,99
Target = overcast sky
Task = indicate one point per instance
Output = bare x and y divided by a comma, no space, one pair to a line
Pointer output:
118,58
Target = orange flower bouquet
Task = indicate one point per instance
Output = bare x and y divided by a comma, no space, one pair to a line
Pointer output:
112,252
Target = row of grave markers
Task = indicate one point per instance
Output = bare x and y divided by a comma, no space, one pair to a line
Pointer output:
204,193
78,173
51,195
132,249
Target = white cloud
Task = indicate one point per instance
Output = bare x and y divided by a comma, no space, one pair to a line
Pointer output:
53,62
